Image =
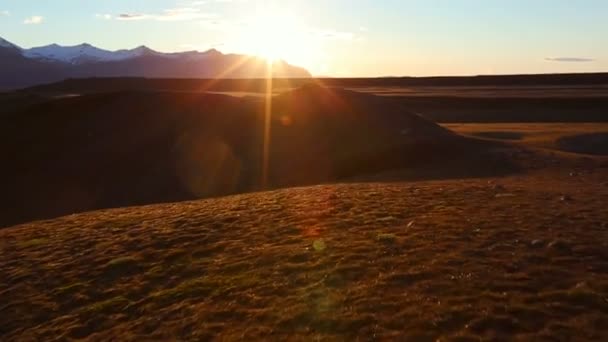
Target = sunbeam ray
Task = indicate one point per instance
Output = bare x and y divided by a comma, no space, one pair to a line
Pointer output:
267,125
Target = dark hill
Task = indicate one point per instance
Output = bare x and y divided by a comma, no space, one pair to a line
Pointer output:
126,148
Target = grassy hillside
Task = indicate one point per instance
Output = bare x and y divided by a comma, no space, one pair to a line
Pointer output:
514,258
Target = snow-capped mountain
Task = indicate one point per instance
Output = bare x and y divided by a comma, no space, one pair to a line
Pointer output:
86,53
72,54
25,67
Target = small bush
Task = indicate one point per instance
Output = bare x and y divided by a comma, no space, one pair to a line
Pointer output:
33,243
121,262
75,287
122,266
386,238
108,306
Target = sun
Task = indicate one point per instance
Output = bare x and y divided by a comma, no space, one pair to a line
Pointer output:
279,35
270,34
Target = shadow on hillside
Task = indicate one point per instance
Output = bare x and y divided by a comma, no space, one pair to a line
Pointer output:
465,158
132,148
592,143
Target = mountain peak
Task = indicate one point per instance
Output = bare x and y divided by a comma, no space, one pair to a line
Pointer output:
6,44
213,52
142,48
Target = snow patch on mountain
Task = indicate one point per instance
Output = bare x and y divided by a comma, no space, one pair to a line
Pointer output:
86,53
82,53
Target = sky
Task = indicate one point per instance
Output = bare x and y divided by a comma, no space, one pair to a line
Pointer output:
357,38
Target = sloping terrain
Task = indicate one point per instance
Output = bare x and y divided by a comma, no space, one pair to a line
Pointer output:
75,154
519,258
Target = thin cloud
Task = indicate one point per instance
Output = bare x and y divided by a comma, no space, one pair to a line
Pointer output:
332,34
220,25
33,20
184,13
4,13
103,16
197,47
172,14
130,16
569,59
205,2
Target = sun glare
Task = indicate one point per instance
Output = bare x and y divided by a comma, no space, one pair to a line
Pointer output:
270,34
279,35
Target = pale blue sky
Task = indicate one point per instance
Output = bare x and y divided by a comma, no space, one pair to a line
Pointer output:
337,37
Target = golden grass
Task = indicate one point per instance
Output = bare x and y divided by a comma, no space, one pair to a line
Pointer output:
33,243
543,135
449,260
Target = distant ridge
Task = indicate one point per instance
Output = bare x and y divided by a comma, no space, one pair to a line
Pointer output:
92,85
51,63
478,80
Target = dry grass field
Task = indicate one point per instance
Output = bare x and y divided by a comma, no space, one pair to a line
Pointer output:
521,257
586,138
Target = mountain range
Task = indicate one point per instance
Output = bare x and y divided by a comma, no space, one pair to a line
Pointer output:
26,67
